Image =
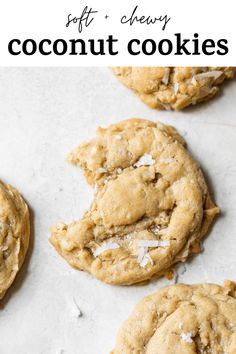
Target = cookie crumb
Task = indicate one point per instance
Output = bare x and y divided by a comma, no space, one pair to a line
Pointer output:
169,275
196,248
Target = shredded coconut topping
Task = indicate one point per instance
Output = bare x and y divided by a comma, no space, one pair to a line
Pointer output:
166,76
93,150
144,261
105,247
156,229
176,88
209,74
101,170
145,160
153,243
119,170
118,137
107,179
3,248
194,81
143,256
187,337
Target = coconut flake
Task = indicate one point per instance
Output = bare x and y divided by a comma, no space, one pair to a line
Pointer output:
166,76
118,137
176,87
105,247
145,160
156,229
144,261
93,150
148,243
143,257
101,170
142,251
153,243
3,248
164,243
187,337
209,74
119,170
107,179
167,106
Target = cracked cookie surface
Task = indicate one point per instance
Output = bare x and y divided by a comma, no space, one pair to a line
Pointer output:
150,209
14,234
186,319
173,87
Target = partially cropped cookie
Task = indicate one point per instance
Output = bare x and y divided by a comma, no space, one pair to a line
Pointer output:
174,87
181,319
14,234
151,207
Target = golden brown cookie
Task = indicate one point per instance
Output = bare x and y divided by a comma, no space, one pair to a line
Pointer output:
181,319
14,234
151,206
173,87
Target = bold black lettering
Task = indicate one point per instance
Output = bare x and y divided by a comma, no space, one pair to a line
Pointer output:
55,47
111,41
25,47
41,47
82,50
152,45
100,51
130,46
10,46
208,43
196,45
181,49
169,46
222,45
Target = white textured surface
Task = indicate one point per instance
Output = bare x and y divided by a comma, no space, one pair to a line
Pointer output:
44,113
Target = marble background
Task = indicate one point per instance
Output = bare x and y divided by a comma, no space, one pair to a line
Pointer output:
44,113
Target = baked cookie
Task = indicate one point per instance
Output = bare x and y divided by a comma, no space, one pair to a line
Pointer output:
173,87
14,234
150,209
181,319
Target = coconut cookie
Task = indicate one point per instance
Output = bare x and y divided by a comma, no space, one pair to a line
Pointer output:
151,206
14,234
173,87
182,319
